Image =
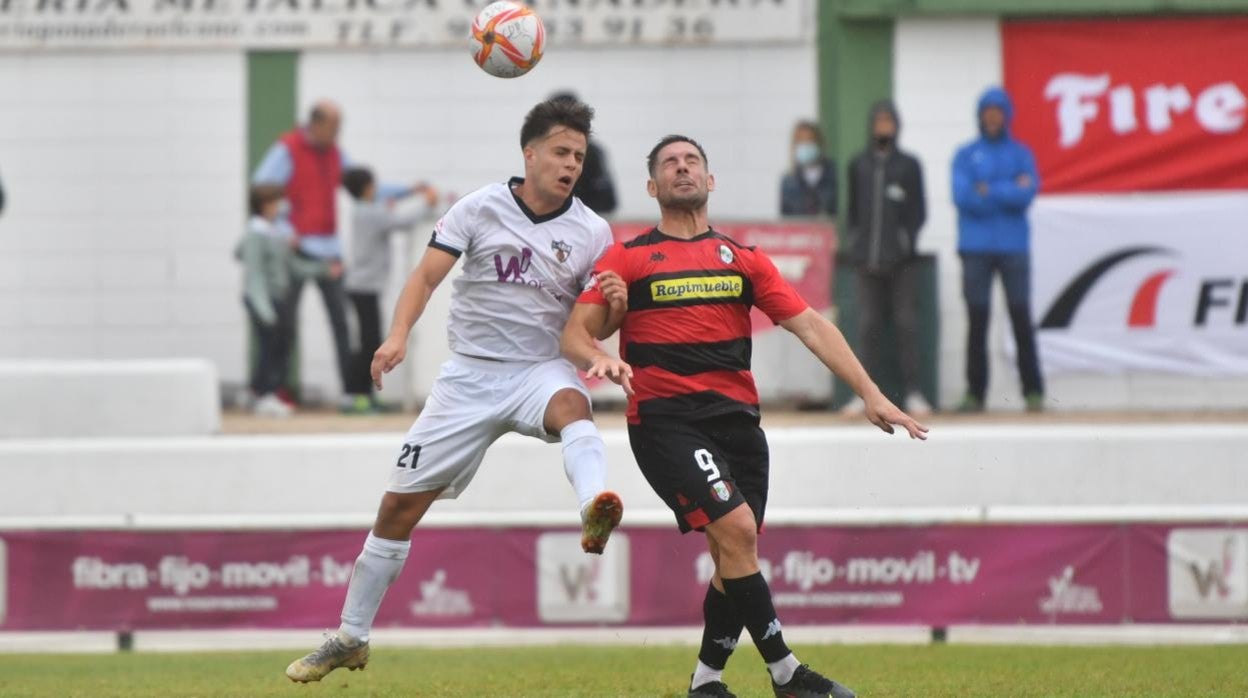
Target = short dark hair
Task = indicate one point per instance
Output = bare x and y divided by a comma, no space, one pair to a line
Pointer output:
813,127
356,180
262,195
652,158
570,113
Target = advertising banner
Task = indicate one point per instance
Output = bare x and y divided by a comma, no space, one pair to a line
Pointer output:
938,575
1147,283
294,24
1129,105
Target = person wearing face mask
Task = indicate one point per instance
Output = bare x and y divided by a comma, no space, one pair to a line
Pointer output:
809,188
887,208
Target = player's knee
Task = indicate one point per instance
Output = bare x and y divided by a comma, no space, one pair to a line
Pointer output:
567,406
736,535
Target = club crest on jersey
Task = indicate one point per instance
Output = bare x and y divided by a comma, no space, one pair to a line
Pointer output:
725,254
721,490
561,250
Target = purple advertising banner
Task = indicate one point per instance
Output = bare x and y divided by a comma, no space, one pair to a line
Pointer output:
526,577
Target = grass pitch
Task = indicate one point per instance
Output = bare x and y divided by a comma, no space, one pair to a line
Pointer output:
874,671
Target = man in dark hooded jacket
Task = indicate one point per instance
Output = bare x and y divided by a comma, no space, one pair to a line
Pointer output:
887,207
994,183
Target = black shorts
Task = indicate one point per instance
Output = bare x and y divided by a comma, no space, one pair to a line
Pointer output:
704,469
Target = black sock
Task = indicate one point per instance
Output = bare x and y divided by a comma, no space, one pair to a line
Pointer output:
721,631
751,597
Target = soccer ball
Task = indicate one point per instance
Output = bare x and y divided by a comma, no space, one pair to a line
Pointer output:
507,39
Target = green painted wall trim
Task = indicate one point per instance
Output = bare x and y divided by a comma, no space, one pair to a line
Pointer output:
879,9
272,81
272,78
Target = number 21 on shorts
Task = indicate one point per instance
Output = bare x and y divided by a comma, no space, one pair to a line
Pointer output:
707,463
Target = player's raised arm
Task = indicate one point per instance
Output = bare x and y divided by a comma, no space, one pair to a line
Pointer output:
432,269
825,341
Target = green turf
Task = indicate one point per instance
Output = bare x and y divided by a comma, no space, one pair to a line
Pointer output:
926,671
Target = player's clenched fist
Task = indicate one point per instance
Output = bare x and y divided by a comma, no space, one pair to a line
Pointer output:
613,369
388,355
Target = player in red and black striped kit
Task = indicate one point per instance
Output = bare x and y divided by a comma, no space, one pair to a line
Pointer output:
693,409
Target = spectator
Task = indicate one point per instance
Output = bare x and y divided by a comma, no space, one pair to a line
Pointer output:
809,189
265,252
887,208
308,164
373,219
1,198
994,182
595,188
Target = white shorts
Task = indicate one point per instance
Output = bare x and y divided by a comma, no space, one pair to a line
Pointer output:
475,401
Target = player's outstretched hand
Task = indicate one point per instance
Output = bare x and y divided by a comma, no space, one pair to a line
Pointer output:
616,370
388,355
884,414
613,289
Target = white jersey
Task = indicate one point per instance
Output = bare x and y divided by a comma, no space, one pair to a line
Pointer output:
522,272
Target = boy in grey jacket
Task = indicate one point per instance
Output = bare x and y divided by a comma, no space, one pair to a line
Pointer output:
267,254
373,220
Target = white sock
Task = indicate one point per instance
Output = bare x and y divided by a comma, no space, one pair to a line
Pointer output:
584,460
782,671
375,570
703,675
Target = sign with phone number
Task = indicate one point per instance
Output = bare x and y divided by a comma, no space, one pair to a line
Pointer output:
294,24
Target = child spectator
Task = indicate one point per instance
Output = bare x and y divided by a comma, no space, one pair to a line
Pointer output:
373,219
266,254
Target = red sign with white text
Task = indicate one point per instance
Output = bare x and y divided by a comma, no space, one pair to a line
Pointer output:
1132,105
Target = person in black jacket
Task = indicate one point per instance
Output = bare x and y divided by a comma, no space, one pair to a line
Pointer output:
887,209
809,187
595,188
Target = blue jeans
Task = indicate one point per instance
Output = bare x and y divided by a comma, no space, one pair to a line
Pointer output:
1015,270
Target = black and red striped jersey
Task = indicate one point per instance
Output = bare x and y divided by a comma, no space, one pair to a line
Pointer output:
687,331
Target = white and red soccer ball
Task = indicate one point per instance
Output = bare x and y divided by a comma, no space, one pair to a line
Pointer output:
508,39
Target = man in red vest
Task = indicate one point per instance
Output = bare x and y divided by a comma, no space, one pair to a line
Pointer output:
307,162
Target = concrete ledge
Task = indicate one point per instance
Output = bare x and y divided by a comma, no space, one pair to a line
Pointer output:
72,399
833,474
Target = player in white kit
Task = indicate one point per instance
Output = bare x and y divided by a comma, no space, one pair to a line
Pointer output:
529,248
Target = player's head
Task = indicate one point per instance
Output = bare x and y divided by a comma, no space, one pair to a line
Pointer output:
554,138
265,200
359,183
324,122
678,173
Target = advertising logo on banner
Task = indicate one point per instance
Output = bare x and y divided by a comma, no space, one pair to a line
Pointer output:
1132,105
293,24
573,587
1156,283
1140,255
1208,573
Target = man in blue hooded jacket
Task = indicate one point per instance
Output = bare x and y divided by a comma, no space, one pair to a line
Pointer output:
994,182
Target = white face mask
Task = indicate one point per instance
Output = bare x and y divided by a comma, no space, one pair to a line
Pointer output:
806,153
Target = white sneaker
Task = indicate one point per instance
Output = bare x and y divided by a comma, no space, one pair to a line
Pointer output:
855,408
271,406
917,405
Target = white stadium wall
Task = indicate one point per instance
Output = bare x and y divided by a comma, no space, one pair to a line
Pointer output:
124,199
940,68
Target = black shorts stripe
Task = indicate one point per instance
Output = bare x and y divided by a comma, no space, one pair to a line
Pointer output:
691,359
683,295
